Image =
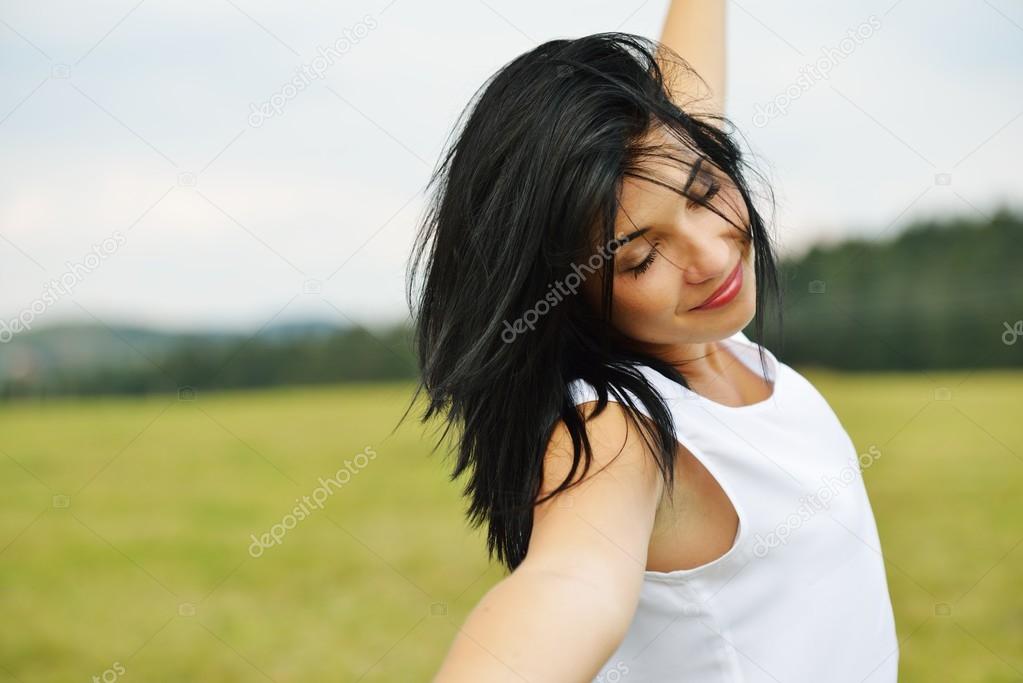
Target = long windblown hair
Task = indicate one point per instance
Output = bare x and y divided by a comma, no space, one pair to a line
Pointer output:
521,202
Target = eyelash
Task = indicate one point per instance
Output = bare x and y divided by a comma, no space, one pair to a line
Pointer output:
642,267
711,192
648,261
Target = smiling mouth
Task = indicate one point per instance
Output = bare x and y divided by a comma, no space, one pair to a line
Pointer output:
726,292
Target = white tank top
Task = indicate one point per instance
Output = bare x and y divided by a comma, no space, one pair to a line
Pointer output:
801,596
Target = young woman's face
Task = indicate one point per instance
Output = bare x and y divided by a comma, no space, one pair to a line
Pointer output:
686,253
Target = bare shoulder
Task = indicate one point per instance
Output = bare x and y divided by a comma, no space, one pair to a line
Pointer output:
618,452
600,526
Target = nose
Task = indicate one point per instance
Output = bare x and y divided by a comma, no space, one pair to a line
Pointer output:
705,254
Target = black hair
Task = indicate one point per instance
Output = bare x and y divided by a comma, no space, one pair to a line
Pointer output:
528,189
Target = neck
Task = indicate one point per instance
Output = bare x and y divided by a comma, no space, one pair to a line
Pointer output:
699,362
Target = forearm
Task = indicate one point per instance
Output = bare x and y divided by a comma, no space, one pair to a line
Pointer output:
695,29
540,626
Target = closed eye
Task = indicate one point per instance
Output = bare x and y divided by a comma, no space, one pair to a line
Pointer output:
712,191
644,264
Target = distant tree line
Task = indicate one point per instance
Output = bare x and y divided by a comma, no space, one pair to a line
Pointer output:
938,295
201,363
945,294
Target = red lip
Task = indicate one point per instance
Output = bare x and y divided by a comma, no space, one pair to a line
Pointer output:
726,292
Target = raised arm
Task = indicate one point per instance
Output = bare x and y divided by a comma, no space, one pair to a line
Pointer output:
695,29
565,609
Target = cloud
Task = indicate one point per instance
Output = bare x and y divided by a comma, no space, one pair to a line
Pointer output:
164,90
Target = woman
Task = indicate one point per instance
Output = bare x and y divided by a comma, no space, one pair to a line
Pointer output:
672,501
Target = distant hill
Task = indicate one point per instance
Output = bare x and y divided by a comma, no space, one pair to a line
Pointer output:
945,294
96,359
79,347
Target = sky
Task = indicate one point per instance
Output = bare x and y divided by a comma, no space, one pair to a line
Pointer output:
156,170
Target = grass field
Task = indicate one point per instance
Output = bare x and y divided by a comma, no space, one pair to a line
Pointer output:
126,526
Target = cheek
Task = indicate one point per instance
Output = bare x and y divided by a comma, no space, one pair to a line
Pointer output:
654,295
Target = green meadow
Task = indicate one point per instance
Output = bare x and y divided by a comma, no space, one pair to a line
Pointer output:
126,532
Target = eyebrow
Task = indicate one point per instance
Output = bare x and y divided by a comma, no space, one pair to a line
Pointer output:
631,236
695,170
